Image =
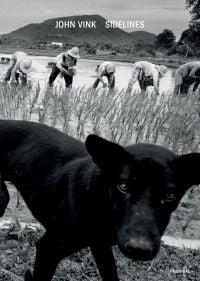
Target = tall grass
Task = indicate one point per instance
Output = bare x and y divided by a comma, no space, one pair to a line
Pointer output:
121,116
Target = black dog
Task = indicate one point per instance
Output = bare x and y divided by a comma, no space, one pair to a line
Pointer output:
97,196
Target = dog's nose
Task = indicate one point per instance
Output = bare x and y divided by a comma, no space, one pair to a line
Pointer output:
139,249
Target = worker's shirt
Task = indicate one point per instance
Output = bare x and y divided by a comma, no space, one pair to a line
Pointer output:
15,61
66,61
102,69
146,68
188,69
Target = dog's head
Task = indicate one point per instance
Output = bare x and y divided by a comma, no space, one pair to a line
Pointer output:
146,185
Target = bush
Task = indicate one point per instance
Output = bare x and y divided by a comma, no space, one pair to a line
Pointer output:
165,39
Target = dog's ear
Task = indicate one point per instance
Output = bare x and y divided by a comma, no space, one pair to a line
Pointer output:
106,154
186,169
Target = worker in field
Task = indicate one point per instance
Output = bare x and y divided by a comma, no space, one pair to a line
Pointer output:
186,75
105,69
20,65
147,74
65,66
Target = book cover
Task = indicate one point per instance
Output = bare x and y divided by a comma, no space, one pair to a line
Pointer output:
127,72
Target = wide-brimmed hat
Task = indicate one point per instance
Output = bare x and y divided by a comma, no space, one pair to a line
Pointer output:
110,68
25,65
162,69
74,52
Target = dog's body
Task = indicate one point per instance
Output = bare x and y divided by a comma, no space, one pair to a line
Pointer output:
121,196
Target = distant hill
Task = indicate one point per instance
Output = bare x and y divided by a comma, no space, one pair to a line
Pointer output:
46,31
143,36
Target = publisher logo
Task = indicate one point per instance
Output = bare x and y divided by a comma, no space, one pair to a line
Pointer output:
184,270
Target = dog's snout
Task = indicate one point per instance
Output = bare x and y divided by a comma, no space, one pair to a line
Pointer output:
140,249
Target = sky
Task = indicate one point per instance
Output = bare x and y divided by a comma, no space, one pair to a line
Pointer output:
156,14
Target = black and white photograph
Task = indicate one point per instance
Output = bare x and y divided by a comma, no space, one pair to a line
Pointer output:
100,140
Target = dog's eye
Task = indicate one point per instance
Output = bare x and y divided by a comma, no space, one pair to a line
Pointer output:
134,180
170,197
122,187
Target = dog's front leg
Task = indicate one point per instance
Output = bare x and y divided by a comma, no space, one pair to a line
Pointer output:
4,197
105,261
47,259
